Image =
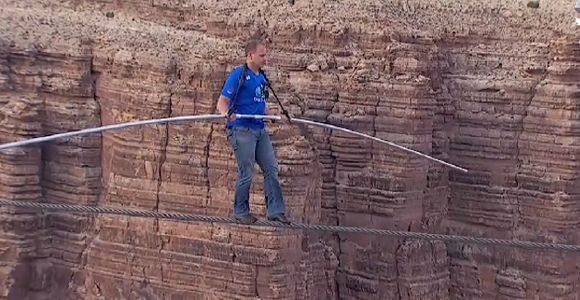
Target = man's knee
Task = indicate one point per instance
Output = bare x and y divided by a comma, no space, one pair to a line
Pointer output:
271,168
246,171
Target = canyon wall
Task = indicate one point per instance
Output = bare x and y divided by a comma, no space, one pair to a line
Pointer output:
491,86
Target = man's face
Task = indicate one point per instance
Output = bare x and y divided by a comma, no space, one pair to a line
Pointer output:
258,57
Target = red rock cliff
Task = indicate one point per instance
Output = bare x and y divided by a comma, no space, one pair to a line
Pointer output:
487,85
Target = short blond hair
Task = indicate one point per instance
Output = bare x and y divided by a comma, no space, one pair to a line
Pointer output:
253,44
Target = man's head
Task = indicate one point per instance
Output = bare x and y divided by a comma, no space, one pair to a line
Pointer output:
256,53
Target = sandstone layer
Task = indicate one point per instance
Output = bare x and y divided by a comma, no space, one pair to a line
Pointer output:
491,86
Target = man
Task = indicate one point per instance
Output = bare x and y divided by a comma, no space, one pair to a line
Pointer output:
248,137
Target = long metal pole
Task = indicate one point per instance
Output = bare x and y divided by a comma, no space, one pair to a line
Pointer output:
211,117
378,140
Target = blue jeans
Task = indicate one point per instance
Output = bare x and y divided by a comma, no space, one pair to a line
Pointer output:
249,146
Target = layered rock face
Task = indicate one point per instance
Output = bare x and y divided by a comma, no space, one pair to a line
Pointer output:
186,168
489,86
46,91
528,190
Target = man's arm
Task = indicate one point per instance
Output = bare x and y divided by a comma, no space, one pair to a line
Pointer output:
223,105
229,90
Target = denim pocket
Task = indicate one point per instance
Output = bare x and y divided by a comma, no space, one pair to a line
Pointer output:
231,137
240,136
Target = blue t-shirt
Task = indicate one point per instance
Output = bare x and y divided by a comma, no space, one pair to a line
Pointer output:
251,98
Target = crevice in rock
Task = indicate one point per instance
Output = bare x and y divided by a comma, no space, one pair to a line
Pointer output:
519,162
207,154
92,231
207,148
175,73
332,154
335,236
163,150
161,260
45,217
99,290
397,270
257,290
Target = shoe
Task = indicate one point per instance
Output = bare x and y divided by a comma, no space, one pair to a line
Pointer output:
279,218
247,219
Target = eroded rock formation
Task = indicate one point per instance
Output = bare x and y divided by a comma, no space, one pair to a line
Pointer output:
491,86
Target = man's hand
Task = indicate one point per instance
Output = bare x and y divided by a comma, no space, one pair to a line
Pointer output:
231,117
